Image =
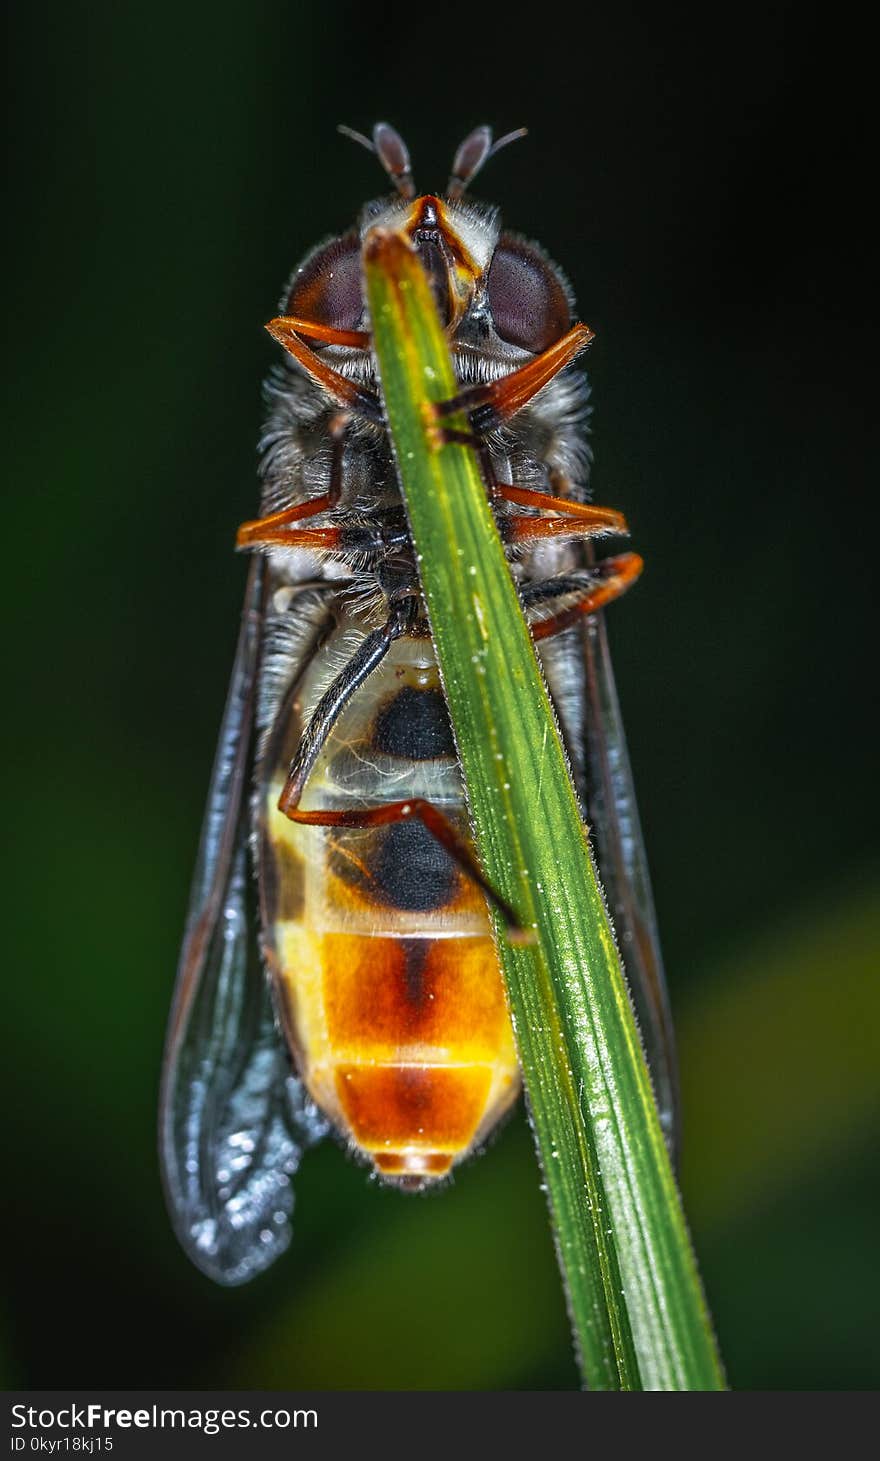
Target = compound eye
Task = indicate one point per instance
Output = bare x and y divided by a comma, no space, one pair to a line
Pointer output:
327,287
527,298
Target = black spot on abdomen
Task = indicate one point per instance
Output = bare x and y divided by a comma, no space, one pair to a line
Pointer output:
412,871
415,954
414,724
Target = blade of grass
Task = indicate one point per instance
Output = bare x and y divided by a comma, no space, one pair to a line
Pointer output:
637,1310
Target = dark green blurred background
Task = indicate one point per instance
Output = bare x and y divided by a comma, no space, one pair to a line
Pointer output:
696,179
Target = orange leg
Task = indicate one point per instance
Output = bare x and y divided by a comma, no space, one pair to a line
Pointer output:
262,530
339,388
326,334
526,497
496,400
586,519
582,517
610,577
266,532
369,654
431,818
518,530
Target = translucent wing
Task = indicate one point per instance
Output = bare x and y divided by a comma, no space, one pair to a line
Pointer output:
613,817
233,1120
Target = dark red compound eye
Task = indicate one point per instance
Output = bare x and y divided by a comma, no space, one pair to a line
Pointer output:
327,287
528,301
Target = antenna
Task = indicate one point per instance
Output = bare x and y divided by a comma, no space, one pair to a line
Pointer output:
475,150
391,150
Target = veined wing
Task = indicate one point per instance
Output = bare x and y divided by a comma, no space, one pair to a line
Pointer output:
613,817
233,1120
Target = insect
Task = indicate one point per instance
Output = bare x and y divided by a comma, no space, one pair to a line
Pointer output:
338,970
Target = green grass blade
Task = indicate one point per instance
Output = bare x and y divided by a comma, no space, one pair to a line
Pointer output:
637,1310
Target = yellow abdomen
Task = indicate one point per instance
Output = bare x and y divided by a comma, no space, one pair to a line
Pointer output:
386,971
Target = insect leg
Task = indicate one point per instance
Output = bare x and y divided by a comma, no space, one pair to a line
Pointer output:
264,532
325,334
494,401
589,523
598,519
369,655
588,592
440,828
255,531
339,387
366,658
584,519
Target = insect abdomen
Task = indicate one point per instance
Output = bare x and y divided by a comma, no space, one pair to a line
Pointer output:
385,966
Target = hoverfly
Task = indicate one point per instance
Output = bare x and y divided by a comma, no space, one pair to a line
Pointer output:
373,1003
